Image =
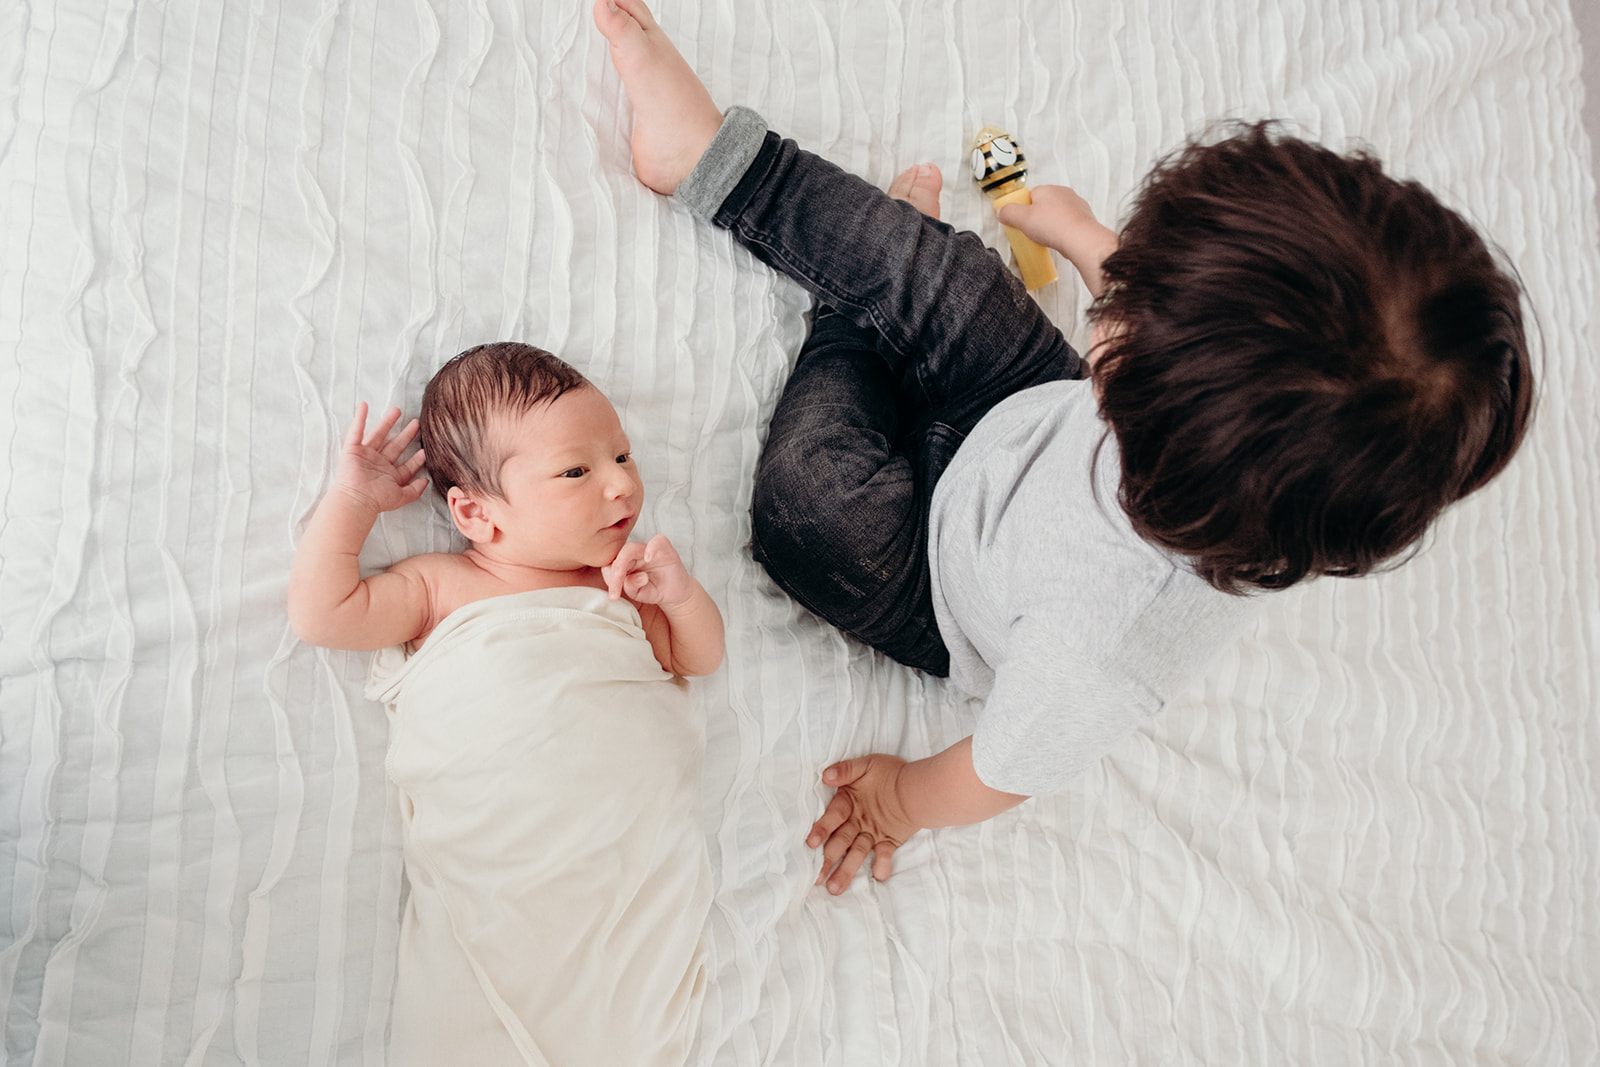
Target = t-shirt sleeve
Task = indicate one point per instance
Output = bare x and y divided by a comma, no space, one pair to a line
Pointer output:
1051,713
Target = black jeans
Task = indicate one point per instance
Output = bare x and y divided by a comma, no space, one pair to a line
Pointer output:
918,331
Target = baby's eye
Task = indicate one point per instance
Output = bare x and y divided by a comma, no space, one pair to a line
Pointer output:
575,472
624,457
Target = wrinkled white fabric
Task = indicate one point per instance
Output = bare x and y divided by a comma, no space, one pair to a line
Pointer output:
548,773
1366,836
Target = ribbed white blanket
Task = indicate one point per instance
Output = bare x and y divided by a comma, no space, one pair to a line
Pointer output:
1371,834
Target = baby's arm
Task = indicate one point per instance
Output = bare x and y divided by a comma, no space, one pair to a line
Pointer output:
1061,219
680,618
329,602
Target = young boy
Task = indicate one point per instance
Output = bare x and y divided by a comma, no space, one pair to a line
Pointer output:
1297,363
541,742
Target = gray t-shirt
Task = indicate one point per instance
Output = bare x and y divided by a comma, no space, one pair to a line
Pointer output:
1070,626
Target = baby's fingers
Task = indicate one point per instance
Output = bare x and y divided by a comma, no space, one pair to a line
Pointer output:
658,550
413,465
358,426
414,486
380,432
397,445
414,490
616,572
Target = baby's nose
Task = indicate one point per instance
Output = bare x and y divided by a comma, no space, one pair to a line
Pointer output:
621,483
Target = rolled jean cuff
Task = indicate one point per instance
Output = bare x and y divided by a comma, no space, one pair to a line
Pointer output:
724,162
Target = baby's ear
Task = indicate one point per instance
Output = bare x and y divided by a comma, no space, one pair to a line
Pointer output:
470,516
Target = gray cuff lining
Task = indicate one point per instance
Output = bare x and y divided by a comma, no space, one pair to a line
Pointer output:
725,161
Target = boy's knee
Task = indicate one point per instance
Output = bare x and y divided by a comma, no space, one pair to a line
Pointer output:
816,515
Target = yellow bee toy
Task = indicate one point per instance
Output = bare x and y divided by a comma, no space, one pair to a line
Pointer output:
1000,170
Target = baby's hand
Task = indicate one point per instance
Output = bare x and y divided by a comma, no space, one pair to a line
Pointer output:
370,473
649,573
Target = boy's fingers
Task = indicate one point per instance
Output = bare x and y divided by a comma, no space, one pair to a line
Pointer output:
1021,217
859,850
844,772
834,849
883,861
837,812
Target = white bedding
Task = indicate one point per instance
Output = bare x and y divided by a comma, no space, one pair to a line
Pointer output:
1371,835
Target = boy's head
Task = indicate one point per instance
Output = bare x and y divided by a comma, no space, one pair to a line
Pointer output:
1306,360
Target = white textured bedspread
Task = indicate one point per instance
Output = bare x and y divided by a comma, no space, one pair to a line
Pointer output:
1370,835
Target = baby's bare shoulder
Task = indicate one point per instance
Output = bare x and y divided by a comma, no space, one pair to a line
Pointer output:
430,566
445,579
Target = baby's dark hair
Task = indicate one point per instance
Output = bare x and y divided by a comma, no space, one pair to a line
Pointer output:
1306,360
465,398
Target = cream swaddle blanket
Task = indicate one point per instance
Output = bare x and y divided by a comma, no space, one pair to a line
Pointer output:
548,773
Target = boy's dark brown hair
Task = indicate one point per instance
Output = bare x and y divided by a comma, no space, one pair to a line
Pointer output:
1306,362
467,395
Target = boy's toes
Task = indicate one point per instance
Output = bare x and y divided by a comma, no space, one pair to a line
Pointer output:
901,186
919,186
616,24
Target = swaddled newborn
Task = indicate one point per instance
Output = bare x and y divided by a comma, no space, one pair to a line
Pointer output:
542,743
548,772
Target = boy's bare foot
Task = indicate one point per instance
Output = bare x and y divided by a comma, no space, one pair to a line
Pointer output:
674,119
919,186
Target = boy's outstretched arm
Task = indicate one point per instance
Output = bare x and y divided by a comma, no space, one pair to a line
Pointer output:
1062,220
680,618
329,602
880,801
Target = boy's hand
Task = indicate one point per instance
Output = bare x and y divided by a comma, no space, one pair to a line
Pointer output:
370,473
649,573
865,817
1061,219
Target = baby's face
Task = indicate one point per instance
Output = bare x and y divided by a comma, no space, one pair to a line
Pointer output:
572,491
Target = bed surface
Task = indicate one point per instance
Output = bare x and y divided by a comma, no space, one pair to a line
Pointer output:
1369,835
